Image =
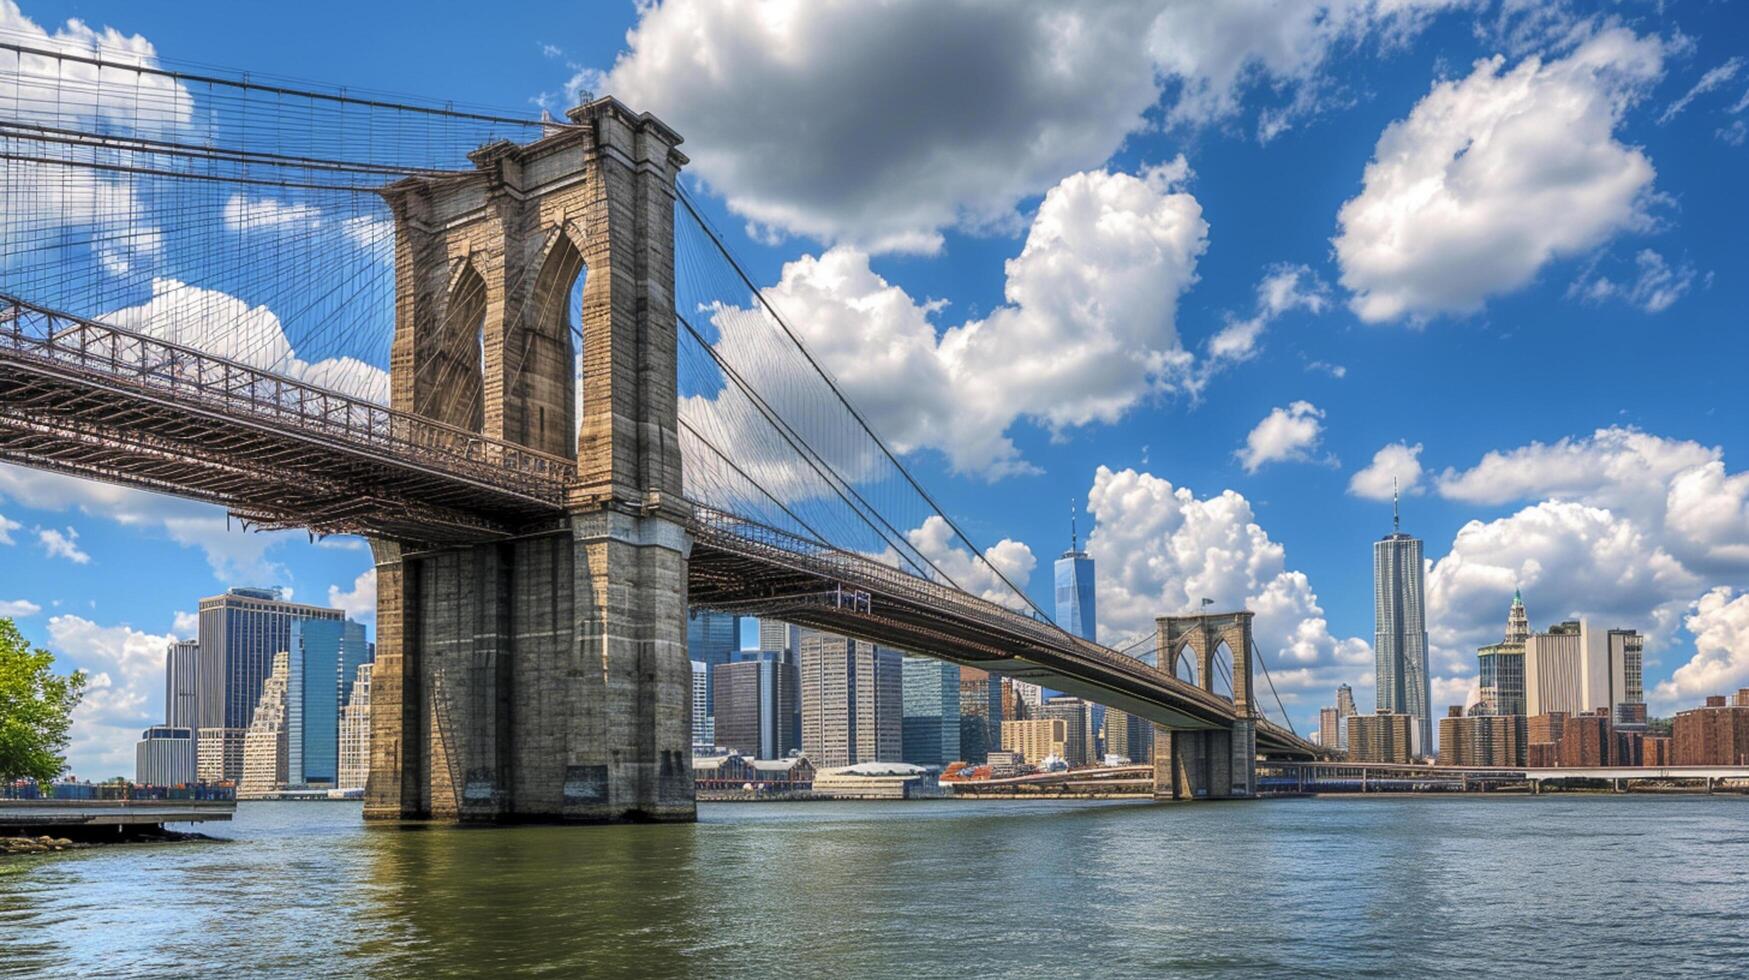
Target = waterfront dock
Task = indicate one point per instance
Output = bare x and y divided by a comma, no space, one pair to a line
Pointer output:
91,819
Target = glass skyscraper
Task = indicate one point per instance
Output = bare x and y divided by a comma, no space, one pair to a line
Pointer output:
1076,611
1400,631
325,656
711,639
931,730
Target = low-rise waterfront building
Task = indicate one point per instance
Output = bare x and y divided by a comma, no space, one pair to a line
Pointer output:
792,775
876,781
730,771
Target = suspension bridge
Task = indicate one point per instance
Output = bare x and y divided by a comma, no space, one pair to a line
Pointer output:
514,355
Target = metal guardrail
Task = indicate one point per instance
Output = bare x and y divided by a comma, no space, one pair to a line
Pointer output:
182,374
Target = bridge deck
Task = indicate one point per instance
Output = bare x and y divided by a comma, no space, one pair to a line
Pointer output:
98,401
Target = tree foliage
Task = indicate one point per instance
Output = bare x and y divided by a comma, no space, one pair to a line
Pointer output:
36,709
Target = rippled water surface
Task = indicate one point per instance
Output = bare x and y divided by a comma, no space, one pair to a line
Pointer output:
1586,885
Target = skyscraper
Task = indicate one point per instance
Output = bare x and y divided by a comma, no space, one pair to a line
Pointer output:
265,747
240,632
1080,746
1576,668
1076,610
703,729
355,731
325,655
181,680
780,637
753,702
1330,728
981,715
711,638
930,732
852,701
1345,701
1400,631
1502,665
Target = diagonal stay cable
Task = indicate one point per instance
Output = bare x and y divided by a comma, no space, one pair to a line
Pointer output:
837,482
686,201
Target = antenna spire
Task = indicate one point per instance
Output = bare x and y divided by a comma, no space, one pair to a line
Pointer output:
1396,520
1074,535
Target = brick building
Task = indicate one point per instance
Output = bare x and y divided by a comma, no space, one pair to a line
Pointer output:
1715,734
1481,740
1381,737
1586,740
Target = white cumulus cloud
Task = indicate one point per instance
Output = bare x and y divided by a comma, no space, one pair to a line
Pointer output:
359,602
16,608
1285,434
1654,287
1630,529
1088,330
881,124
123,695
1395,468
62,544
1494,175
1719,622
234,554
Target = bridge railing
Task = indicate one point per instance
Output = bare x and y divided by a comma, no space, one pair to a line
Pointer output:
783,548
186,376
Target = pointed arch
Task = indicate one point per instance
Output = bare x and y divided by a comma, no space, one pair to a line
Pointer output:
1221,666
545,375
452,374
1184,665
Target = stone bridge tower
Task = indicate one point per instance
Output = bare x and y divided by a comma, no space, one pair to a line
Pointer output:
1207,764
543,676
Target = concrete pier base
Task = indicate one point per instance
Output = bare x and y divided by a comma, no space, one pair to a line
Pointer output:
1205,765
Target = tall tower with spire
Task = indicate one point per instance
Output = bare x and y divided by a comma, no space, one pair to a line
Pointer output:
1076,609
1400,629
1502,664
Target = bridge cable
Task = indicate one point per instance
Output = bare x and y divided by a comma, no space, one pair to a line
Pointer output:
686,201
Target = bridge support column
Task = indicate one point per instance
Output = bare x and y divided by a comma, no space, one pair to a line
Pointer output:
544,675
1215,765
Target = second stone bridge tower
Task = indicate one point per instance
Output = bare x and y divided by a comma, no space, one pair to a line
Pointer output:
543,676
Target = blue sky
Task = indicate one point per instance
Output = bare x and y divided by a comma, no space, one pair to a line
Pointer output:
1255,246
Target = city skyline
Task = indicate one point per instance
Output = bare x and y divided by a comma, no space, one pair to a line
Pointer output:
1269,482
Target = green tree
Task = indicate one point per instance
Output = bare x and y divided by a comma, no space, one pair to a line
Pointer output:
36,709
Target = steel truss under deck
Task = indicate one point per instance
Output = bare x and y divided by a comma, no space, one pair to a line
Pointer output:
83,397
87,398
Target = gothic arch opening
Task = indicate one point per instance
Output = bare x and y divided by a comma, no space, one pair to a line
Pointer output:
452,386
1184,665
1221,670
547,372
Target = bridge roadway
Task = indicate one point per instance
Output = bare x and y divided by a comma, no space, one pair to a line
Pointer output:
82,397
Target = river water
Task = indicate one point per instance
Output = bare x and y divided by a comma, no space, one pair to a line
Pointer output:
1575,885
